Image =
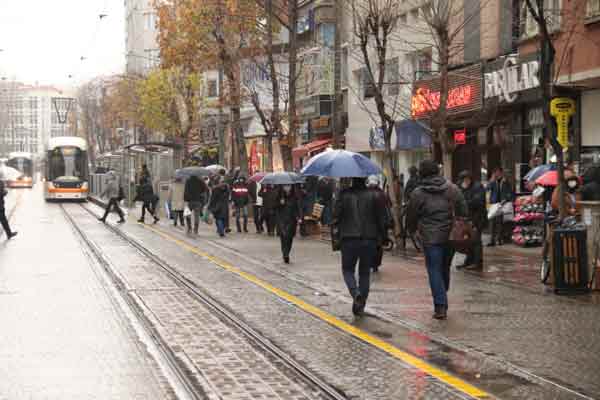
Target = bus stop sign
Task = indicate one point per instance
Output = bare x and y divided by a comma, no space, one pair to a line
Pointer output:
562,108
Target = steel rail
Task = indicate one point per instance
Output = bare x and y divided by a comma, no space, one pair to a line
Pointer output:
229,316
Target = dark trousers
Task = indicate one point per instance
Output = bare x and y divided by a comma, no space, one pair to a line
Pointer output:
270,219
365,253
475,254
286,244
220,223
438,259
226,220
114,204
147,206
4,222
497,225
258,218
178,214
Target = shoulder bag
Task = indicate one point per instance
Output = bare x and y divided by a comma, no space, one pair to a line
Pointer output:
463,232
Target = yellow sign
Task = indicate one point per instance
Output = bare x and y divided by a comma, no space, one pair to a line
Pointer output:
562,108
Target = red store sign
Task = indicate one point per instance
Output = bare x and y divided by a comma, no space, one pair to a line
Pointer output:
460,136
464,94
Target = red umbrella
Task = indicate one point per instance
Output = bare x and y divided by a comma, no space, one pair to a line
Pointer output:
257,177
550,178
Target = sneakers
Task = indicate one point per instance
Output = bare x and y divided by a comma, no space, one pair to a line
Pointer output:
286,259
102,220
12,235
141,220
156,219
121,221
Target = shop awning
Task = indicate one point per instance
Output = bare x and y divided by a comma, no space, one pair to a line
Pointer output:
311,147
411,135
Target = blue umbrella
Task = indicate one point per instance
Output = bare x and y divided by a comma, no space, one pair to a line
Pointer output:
282,178
341,164
538,171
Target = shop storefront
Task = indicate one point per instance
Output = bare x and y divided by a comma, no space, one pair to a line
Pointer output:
590,128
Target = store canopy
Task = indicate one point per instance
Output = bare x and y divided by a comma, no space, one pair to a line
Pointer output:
153,147
311,147
412,135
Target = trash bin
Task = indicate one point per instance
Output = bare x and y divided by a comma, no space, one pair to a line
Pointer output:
569,261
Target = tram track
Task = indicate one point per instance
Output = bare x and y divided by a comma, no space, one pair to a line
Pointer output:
258,340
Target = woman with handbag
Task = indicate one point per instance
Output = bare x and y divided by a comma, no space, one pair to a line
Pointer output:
474,194
433,210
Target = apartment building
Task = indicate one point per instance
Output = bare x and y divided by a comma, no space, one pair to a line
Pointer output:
142,52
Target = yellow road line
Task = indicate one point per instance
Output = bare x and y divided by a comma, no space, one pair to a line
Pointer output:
409,359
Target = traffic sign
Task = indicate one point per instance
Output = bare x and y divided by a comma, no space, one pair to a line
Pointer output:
562,108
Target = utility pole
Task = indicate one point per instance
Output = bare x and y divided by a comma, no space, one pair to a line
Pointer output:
337,124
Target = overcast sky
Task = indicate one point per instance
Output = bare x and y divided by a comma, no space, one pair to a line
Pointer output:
44,40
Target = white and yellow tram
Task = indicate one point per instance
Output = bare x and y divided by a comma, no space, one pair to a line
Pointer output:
22,162
66,169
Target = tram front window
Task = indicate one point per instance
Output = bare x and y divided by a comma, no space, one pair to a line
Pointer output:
66,163
23,165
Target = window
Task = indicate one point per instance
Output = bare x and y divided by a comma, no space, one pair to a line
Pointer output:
149,21
213,88
392,77
326,35
593,8
419,64
529,27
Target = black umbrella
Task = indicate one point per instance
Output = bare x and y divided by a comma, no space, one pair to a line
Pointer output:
282,178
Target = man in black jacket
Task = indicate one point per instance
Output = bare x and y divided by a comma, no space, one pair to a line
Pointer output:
3,220
361,223
413,182
500,192
195,195
430,212
240,198
474,194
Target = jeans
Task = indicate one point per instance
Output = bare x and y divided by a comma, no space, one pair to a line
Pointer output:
241,211
270,218
147,206
258,218
438,259
4,222
114,204
365,253
196,209
220,222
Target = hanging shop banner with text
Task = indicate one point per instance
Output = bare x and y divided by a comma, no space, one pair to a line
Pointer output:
512,79
464,93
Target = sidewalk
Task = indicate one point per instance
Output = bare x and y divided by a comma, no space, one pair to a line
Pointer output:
501,312
552,340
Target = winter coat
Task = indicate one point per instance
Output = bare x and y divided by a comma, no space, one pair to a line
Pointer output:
288,213
325,190
195,191
500,191
360,213
146,192
176,196
240,194
430,210
475,199
411,185
270,197
111,191
219,200
3,193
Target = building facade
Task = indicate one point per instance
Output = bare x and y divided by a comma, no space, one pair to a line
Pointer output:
142,52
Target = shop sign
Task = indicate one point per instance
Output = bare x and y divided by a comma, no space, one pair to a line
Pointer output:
562,108
535,117
460,136
464,93
506,83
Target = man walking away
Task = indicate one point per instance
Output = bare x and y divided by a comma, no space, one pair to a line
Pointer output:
177,200
218,204
257,205
500,192
474,194
289,213
194,195
413,182
270,196
3,220
360,221
240,198
113,194
430,212
147,196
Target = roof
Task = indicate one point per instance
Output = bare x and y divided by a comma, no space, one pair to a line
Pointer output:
310,147
73,141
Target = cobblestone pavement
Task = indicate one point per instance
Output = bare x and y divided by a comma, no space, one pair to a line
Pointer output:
354,367
62,335
511,342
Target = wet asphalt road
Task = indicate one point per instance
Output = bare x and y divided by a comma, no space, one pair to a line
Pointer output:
63,335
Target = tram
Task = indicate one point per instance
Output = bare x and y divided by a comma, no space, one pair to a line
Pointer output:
66,169
22,162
